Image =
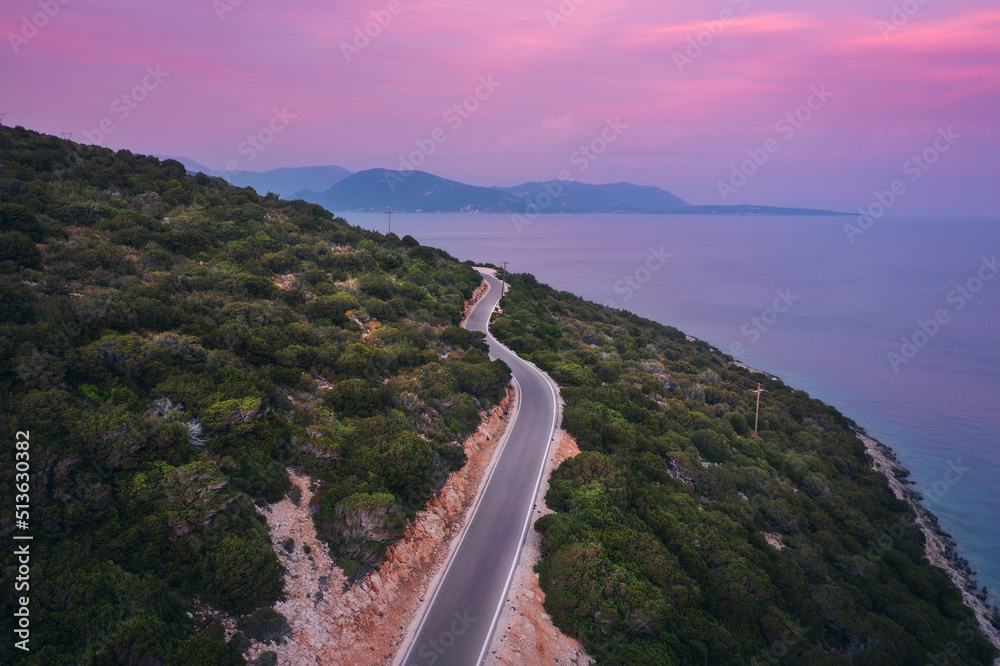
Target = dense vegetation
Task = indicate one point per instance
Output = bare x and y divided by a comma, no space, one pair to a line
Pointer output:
173,344
659,550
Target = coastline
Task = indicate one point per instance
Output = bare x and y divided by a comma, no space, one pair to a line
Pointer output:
939,548
524,627
753,370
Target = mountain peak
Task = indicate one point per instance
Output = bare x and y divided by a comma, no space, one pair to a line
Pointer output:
557,196
374,190
283,181
411,191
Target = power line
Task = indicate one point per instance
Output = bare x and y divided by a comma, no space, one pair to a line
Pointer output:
783,397
756,417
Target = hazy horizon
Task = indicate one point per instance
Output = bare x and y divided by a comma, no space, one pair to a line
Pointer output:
321,435
832,102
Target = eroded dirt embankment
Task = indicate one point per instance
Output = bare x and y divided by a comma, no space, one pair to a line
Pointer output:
525,634
365,624
368,622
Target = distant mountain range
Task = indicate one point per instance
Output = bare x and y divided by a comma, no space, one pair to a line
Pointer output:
572,197
410,191
284,182
375,190
421,192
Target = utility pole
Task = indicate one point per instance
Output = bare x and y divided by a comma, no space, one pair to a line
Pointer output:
2,116
67,135
756,417
388,211
503,283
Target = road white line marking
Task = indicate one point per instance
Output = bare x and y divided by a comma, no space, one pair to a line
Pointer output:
538,483
475,509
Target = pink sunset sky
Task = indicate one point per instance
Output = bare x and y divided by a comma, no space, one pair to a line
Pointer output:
898,72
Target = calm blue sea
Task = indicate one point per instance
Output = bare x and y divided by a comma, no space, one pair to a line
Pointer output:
795,297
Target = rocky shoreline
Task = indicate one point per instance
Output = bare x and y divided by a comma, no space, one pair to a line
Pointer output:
941,549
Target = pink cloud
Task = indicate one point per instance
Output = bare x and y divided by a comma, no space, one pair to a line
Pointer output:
561,77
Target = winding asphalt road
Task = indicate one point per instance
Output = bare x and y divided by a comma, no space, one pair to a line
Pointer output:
459,621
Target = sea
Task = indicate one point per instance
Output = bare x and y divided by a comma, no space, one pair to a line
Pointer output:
896,322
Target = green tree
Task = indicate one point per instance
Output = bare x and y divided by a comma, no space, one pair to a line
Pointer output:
229,565
18,248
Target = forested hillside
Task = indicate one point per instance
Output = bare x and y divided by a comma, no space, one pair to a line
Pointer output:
172,344
680,539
